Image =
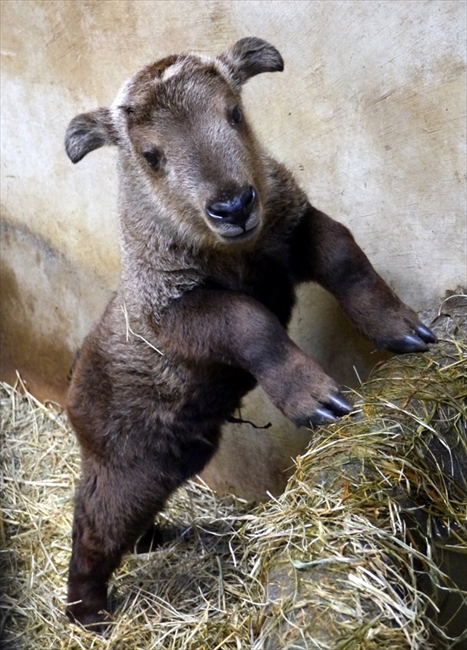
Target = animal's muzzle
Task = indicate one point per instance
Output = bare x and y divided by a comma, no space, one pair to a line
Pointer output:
233,210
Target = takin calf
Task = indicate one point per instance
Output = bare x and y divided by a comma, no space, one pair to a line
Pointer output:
215,238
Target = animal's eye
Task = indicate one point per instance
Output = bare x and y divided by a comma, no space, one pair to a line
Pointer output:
153,158
235,115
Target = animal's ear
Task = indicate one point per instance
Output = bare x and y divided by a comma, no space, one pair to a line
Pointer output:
251,56
89,131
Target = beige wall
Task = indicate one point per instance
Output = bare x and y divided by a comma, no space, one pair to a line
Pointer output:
369,113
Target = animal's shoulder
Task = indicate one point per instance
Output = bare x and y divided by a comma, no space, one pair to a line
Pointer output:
286,202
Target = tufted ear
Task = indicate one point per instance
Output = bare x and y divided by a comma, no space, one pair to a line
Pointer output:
251,56
89,131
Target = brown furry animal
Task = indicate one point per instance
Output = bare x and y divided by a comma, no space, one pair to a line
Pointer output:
216,235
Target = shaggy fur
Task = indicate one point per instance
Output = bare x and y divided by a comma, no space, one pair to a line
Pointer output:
216,236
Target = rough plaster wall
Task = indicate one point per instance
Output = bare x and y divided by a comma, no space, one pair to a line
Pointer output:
369,113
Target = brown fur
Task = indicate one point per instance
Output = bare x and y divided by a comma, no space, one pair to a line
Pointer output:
206,292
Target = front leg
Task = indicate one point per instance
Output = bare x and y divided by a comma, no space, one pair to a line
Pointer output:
325,251
235,329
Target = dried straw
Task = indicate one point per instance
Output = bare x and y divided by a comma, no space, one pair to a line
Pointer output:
353,548
194,593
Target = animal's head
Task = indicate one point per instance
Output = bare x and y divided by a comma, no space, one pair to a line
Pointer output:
185,142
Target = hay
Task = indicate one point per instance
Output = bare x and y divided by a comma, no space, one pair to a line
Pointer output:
347,558
352,550
194,593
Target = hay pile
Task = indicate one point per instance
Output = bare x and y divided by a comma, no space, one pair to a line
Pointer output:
353,548
195,593
348,558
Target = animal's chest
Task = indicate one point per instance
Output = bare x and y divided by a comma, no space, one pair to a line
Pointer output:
268,280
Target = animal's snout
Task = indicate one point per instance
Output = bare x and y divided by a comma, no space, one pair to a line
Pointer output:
235,209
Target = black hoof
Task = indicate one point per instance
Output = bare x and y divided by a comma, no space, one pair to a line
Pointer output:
155,537
96,623
415,341
407,343
339,404
426,334
322,416
335,407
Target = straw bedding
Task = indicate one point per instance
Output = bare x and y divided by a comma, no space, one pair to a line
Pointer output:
352,556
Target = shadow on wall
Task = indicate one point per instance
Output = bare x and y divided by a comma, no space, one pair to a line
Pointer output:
46,306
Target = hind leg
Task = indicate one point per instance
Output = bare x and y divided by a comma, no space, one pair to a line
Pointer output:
115,507
156,536
112,510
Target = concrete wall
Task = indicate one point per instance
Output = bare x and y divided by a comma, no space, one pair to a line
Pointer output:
369,113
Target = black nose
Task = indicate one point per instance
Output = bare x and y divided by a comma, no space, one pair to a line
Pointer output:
234,209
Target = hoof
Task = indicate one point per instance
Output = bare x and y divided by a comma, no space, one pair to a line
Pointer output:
156,537
91,621
416,341
329,410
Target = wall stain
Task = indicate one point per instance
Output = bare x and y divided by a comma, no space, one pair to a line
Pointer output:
44,314
42,360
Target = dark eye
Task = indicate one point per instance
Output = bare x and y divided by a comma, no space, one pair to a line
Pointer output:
235,115
153,158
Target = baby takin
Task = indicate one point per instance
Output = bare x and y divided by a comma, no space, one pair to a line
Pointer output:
215,238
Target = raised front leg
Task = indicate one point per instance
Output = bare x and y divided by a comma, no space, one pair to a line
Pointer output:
325,251
236,329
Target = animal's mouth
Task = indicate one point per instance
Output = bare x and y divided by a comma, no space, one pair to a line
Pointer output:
235,232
